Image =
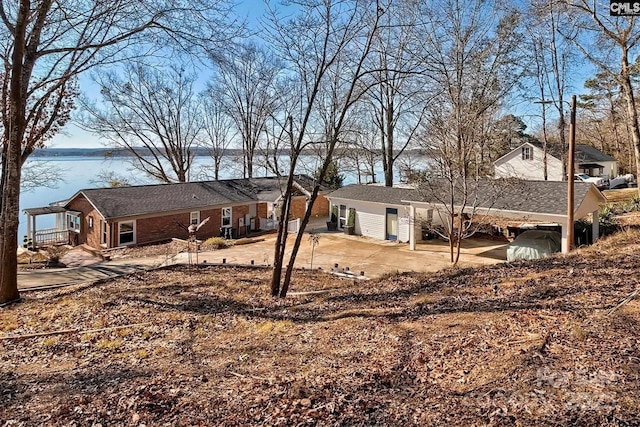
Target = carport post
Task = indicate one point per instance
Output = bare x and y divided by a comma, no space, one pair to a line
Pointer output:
595,226
565,240
412,228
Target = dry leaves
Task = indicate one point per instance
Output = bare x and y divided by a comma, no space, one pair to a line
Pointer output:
516,344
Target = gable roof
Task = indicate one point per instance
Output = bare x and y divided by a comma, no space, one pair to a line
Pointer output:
588,154
542,197
584,153
119,202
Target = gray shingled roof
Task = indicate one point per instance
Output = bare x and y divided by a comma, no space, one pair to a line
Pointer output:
584,153
545,197
375,194
588,154
121,202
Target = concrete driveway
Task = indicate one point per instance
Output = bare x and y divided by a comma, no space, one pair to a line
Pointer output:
374,257
359,254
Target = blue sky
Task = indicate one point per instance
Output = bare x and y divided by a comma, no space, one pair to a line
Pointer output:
252,11
74,137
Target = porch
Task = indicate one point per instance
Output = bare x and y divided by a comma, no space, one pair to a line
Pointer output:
65,232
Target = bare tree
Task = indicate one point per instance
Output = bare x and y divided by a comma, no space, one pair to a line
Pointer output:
218,132
399,98
45,45
111,179
248,77
610,43
552,58
38,174
473,50
602,123
325,46
362,150
151,113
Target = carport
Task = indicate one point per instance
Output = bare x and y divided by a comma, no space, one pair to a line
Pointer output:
544,201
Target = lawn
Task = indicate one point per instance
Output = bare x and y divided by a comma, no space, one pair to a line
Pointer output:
526,343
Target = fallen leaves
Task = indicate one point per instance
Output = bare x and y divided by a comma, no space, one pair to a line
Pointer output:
209,346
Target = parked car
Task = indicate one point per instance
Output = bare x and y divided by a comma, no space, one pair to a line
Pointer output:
601,183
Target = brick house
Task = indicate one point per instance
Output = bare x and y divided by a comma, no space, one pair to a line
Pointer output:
120,216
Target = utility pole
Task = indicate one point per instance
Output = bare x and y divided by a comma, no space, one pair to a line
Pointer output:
570,173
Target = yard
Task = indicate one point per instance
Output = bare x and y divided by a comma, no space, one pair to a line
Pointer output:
529,343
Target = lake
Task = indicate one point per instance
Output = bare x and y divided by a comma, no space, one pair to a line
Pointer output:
81,172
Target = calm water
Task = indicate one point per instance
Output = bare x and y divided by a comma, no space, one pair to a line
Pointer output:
80,173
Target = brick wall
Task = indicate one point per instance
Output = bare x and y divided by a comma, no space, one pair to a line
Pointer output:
88,235
262,211
298,206
149,230
155,229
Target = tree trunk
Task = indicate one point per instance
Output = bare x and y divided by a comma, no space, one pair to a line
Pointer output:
298,241
388,170
9,209
281,239
9,212
632,113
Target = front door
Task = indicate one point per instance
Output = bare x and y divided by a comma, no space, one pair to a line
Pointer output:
392,224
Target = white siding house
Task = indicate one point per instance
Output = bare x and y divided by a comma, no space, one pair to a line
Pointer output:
527,162
397,213
380,212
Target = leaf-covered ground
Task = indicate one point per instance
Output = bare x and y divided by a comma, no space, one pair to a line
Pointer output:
528,343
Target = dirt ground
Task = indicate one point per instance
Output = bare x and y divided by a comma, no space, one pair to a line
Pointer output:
526,343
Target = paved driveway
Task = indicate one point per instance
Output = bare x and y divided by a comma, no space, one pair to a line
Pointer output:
360,254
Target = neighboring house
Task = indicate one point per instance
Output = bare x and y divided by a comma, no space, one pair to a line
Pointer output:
380,211
399,213
527,162
121,216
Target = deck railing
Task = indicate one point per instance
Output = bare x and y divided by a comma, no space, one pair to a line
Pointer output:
51,236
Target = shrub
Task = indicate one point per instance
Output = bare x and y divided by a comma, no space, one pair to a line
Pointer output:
217,243
633,205
54,253
351,220
334,214
607,215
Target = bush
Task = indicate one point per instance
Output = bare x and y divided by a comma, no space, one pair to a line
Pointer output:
54,253
607,215
217,243
633,205
334,214
351,220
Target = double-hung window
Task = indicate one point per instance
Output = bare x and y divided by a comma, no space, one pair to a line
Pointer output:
226,217
194,218
527,153
126,233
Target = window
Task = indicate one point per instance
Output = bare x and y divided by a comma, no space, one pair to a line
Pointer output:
195,218
103,232
226,217
126,233
90,222
527,153
73,222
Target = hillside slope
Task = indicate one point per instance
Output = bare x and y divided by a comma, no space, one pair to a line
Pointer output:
527,343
